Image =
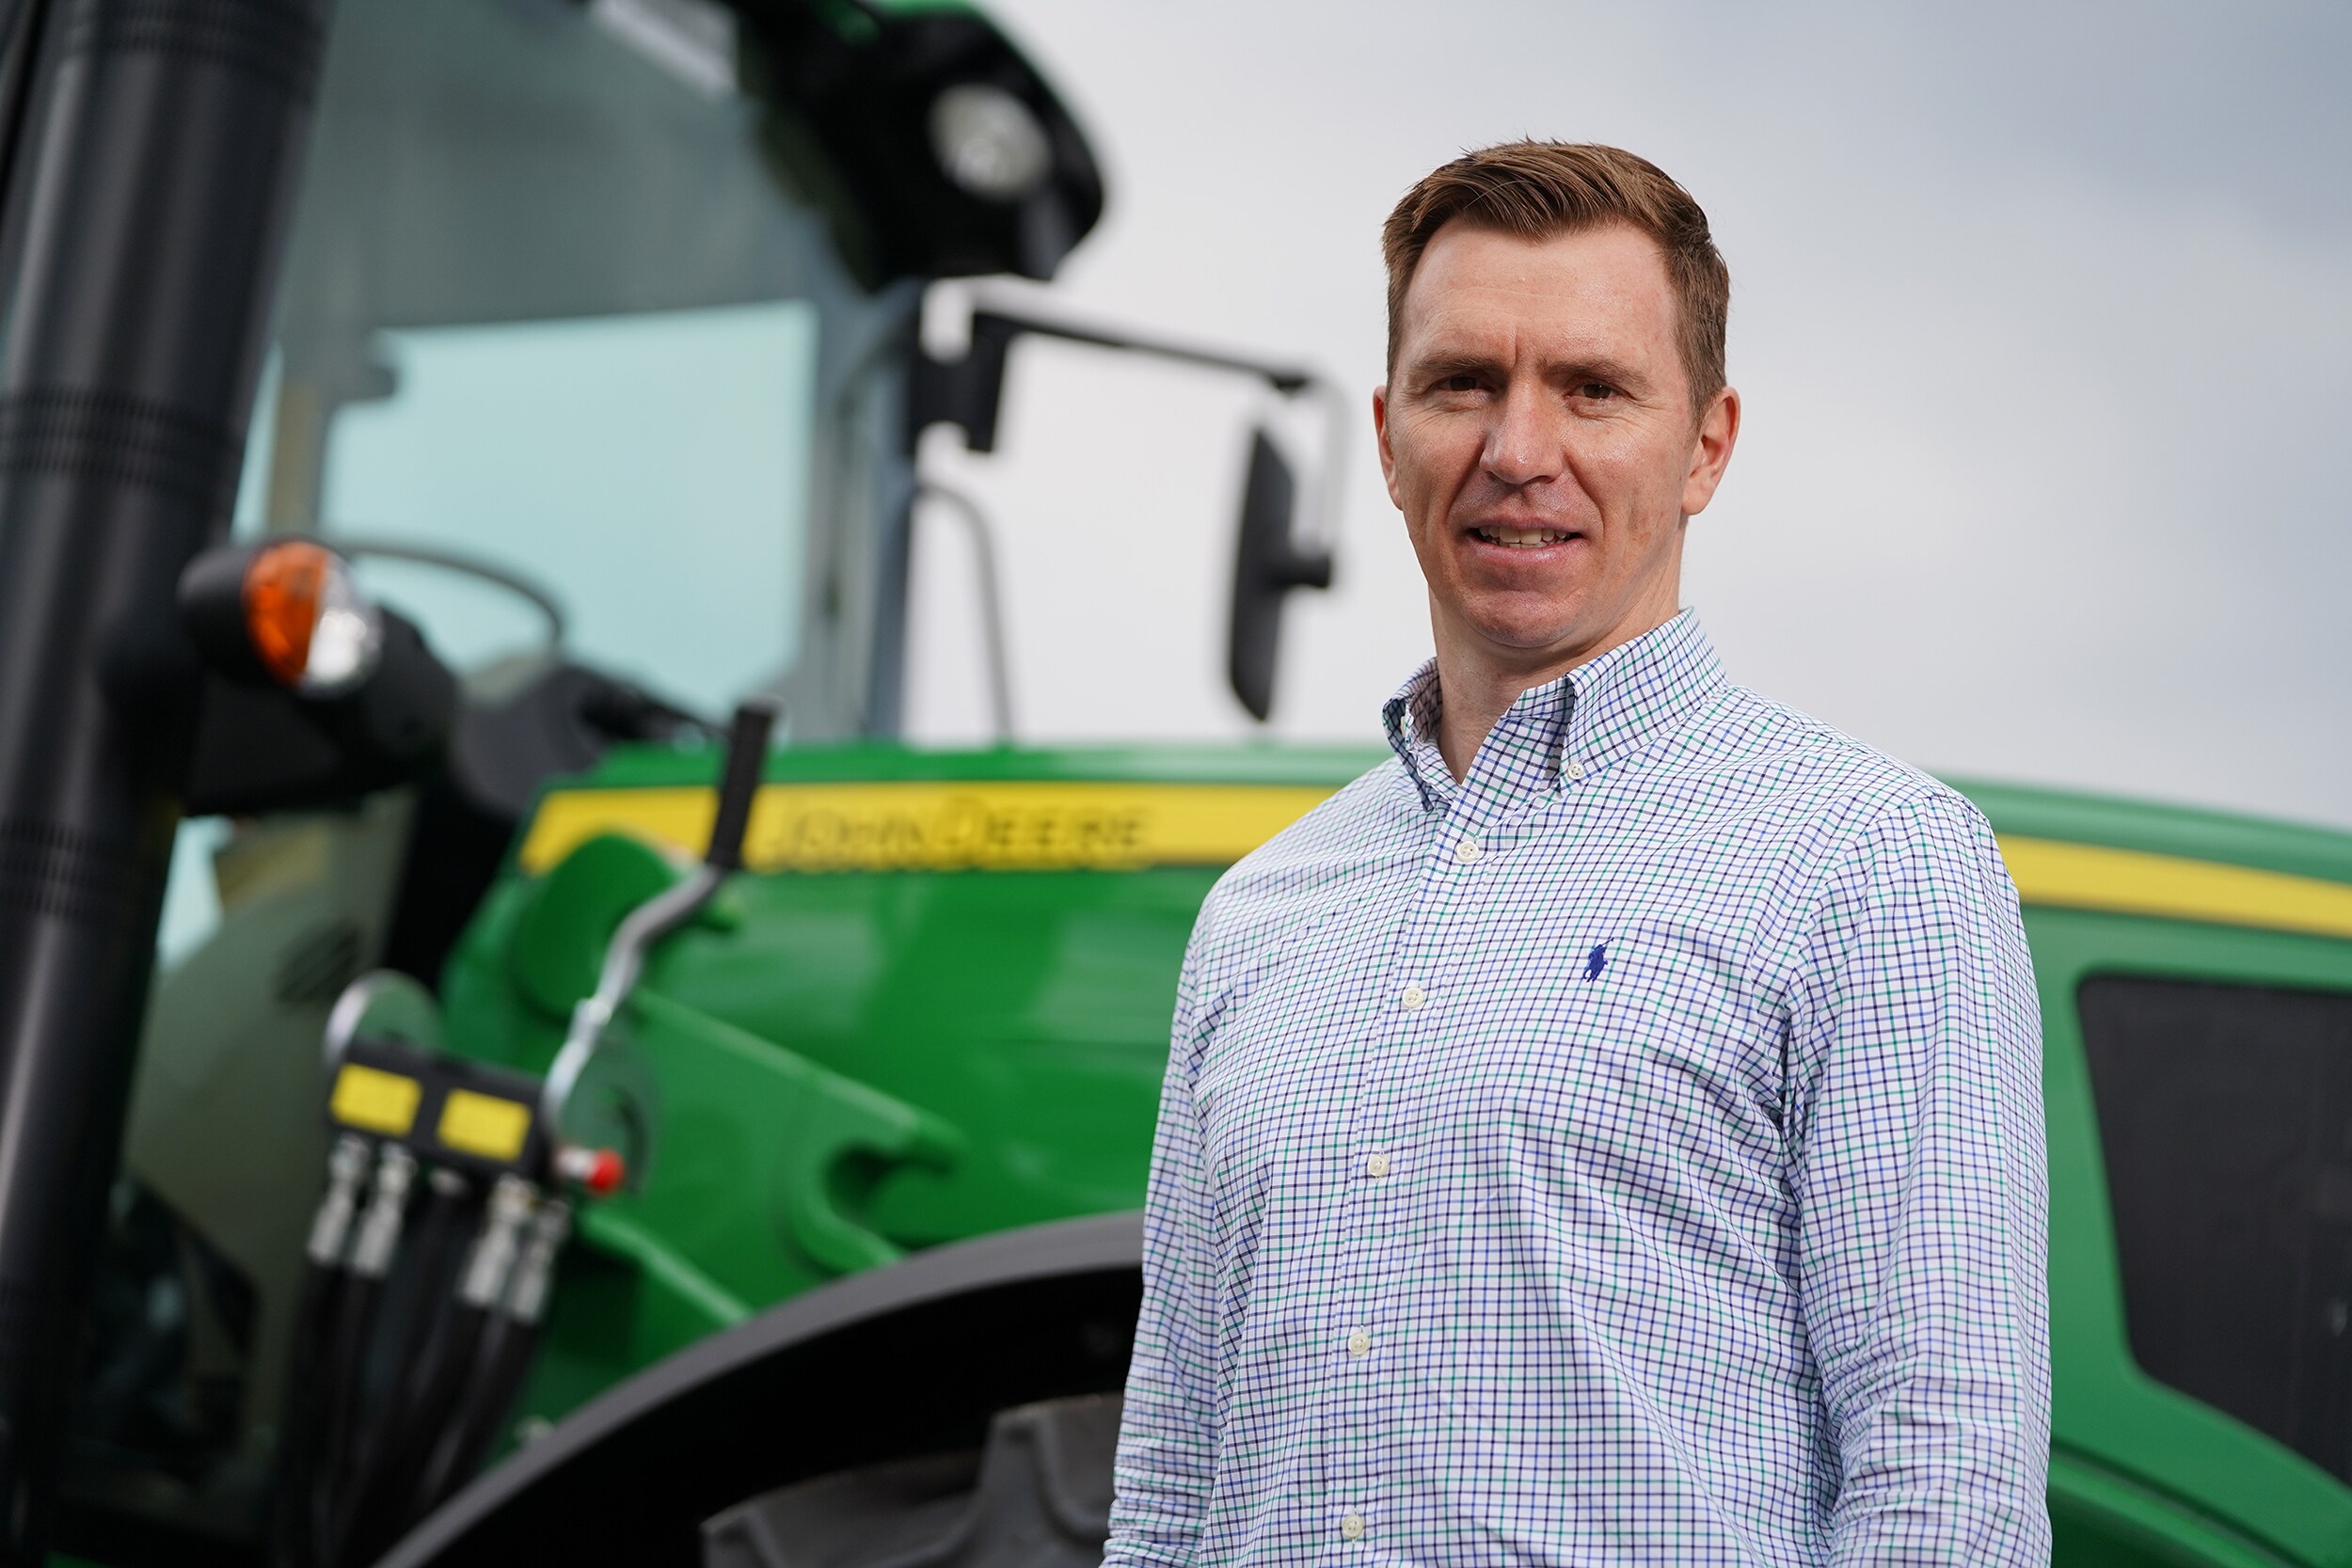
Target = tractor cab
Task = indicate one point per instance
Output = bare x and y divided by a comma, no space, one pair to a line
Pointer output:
599,350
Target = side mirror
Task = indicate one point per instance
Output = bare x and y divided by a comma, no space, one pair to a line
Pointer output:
1266,567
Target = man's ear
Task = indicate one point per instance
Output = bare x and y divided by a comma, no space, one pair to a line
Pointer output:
1711,442
1380,439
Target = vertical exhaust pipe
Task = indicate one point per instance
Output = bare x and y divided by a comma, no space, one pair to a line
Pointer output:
152,194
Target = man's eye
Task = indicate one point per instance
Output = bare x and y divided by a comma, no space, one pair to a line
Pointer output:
1597,391
1462,383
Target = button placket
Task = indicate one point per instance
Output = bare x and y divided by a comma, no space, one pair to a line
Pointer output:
1355,1411
1348,1405
1367,1406
1356,1408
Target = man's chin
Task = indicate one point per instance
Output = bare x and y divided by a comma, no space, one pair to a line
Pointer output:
1511,623
1526,644
1526,639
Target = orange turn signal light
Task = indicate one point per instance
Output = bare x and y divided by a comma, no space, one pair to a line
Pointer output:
309,626
283,587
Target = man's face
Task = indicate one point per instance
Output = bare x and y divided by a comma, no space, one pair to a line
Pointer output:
1537,432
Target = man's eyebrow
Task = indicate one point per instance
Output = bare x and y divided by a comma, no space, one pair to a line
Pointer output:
1577,369
1438,367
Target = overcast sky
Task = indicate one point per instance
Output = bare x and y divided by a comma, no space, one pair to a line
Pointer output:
2042,316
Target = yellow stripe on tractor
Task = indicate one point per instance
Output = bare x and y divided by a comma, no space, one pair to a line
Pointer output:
2061,874
925,826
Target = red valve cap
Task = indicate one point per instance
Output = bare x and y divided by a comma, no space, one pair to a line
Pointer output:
604,1173
599,1171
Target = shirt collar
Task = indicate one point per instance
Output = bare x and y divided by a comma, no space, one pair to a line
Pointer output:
1566,729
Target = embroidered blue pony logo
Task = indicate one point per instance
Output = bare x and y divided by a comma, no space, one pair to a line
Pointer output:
1597,961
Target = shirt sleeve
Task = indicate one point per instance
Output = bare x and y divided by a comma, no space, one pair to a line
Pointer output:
1167,1439
1915,1128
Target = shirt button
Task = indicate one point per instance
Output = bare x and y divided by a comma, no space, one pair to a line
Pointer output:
1412,999
1467,850
1377,1166
1574,770
1359,1342
1352,1526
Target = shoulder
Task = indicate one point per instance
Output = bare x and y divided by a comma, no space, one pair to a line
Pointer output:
1872,839
1321,860
1810,817
1819,781
1871,861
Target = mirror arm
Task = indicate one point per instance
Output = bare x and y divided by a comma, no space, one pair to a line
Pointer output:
969,391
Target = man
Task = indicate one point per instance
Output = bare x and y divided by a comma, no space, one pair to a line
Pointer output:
1611,1131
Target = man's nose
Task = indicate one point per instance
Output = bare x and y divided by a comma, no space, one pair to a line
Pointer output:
1524,444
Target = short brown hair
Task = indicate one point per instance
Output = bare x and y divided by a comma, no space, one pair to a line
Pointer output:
1538,189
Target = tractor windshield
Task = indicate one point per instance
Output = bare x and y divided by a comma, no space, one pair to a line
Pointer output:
554,305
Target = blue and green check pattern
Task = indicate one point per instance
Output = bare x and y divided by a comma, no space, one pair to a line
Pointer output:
1630,1154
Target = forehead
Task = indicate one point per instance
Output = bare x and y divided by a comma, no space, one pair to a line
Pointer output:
1595,289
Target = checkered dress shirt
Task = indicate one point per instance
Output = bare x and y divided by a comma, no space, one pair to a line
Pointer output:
1630,1154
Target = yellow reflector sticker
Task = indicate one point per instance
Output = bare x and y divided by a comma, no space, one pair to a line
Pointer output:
922,826
2129,881
483,1125
374,1100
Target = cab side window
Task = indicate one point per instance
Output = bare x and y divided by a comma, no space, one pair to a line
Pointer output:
2225,1116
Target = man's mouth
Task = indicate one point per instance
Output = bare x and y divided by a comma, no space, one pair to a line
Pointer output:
1525,538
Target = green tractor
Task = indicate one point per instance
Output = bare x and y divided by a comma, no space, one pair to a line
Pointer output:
567,1123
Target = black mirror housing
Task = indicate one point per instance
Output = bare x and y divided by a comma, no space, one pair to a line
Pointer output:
1266,567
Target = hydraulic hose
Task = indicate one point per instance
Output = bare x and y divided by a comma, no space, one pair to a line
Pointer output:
378,1442
502,1363
322,1278
383,1506
372,1250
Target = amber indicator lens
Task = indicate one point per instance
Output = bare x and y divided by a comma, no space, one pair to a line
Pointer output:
310,625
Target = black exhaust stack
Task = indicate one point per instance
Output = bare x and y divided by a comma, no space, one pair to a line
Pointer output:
152,191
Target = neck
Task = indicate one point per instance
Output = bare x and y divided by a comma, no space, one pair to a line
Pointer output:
1476,686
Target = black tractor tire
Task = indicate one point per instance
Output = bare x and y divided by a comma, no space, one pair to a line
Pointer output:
1037,1495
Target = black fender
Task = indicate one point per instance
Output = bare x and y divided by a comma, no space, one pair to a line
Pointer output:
909,1359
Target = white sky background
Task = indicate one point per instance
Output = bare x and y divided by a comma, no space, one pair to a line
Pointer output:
2042,316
